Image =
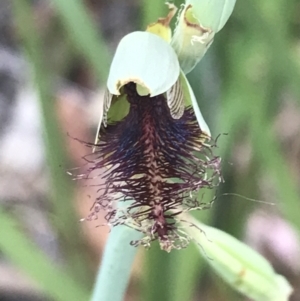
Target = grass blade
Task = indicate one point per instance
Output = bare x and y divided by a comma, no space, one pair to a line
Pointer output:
65,219
85,37
25,255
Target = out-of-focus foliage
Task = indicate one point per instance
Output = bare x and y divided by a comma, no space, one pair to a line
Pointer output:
248,88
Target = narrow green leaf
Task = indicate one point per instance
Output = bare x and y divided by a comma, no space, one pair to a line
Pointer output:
86,39
65,219
19,250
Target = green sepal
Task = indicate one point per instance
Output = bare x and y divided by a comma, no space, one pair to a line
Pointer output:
190,100
145,59
119,108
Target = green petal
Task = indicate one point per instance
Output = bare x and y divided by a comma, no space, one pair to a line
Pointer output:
146,59
190,100
244,269
114,108
175,100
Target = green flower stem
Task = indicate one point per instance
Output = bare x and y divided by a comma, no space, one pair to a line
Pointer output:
114,271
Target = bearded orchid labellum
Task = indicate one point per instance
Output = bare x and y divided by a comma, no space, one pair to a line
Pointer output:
152,143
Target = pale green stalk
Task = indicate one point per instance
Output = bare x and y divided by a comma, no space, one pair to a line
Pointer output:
114,272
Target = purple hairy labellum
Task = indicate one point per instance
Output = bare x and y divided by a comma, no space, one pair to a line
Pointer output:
155,165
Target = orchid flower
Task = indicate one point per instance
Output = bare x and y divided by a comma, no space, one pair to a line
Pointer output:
154,150
153,145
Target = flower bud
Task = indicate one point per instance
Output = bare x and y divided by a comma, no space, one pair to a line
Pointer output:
197,24
212,14
244,269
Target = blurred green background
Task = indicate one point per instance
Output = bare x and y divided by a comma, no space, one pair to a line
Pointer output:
54,58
